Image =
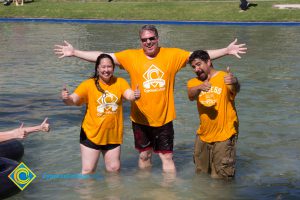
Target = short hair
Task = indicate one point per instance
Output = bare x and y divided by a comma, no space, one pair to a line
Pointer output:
149,27
199,54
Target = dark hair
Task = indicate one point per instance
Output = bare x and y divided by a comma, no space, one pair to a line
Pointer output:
200,54
149,27
96,75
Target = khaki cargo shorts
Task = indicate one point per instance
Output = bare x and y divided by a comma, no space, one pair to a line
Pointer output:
217,158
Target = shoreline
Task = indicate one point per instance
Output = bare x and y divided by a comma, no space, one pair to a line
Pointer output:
165,22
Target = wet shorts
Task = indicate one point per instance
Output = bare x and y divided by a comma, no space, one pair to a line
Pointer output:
88,143
160,139
217,158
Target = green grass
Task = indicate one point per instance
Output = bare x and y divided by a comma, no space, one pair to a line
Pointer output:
212,10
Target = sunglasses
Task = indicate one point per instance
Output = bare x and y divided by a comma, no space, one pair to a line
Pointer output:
150,38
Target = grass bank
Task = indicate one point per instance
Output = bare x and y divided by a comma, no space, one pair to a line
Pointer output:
212,10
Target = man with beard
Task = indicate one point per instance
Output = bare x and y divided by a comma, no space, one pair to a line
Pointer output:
214,91
153,68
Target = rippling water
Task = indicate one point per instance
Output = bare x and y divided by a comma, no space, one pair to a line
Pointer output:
268,160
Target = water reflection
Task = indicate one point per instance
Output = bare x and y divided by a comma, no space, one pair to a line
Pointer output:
109,187
268,106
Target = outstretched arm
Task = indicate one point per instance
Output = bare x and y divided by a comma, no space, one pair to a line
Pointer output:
22,132
19,133
67,50
232,49
44,126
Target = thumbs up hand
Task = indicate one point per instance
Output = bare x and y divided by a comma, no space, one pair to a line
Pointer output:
137,92
20,132
64,92
45,125
228,70
229,79
205,86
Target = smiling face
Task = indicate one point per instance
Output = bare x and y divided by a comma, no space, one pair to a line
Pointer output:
149,43
201,68
105,70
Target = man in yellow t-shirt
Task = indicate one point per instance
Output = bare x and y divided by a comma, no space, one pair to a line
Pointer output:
153,68
214,91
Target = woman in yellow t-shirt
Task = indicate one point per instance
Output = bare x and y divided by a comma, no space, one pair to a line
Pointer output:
102,126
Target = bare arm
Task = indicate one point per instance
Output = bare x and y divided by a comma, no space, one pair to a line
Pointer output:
232,49
67,50
44,126
12,134
131,95
22,132
193,92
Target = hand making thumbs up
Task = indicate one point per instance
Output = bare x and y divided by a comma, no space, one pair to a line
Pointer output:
229,79
45,125
20,132
64,92
137,92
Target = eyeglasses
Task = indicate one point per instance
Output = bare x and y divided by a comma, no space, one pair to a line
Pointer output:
150,38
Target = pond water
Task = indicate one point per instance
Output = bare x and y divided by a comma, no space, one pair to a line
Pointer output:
268,155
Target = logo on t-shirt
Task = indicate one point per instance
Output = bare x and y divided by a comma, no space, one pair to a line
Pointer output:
107,103
209,98
154,79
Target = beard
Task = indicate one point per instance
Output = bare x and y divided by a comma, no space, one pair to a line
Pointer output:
202,75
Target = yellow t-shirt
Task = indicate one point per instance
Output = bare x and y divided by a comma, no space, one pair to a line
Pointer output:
217,113
155,78
103,121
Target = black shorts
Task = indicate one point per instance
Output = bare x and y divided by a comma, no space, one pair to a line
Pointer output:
88,143
160,139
